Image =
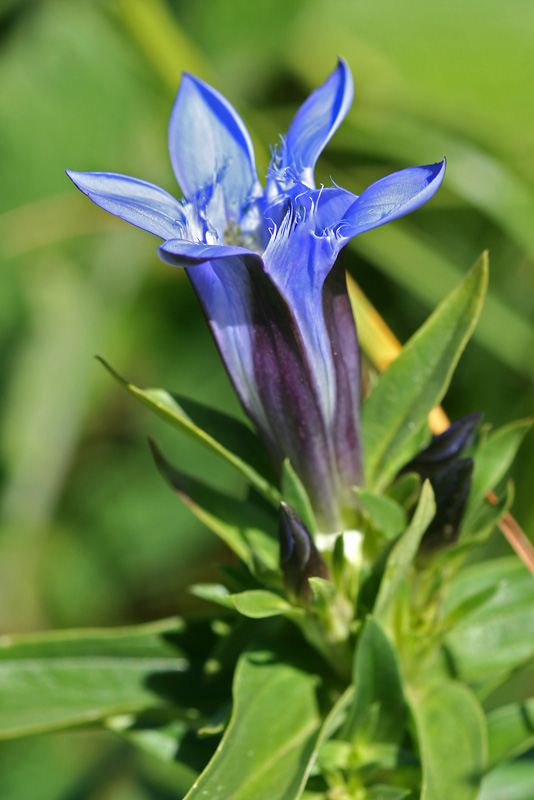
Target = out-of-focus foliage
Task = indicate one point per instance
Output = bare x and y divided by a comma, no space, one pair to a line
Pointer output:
90,535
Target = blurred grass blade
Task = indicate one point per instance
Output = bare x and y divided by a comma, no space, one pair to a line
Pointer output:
165,44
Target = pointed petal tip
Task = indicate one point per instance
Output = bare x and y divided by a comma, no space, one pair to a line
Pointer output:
317,120
392,197
208,141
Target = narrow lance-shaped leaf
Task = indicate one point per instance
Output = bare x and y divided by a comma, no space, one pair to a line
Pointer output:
417,380
242,525
493,458
57,680
510,730
377,713
403,553
167,407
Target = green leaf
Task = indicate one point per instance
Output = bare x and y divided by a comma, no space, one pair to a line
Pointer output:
294,493
452,741
323,592
378,712
510,731
513,781
239,523
266,751
403,553
259,603
482,522
56,680
386,793
387,516
405,490
159,738
417,380
499,636
167,407
213,593
492,460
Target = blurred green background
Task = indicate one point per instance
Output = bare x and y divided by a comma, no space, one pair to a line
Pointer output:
90,535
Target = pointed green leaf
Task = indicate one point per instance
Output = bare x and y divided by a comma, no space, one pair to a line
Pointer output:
266,750
492,460
236,522
416,381
387,516
56,680
259,603
510,731
512,781
213,593
481,523
452,741
378,711
406,489
403,553
167,407
499,636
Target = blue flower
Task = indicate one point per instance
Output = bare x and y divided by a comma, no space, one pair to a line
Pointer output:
265,266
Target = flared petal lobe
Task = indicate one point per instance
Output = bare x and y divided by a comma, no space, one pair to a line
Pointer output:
209,144
315,123
391,197
141,203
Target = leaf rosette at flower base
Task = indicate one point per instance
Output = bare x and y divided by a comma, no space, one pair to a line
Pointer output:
265,264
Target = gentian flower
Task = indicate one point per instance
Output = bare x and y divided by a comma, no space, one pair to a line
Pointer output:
265,266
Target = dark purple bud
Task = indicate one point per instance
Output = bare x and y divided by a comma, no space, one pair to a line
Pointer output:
450,477
299,557
444,449
451,490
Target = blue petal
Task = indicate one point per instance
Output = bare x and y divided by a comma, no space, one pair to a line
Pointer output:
185,254
392,197
209,143
224,289
330,205
316,121
138,202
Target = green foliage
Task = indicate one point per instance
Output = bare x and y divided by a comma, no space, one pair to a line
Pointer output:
268,747
402,555
416,381
55,681
378,710
452,735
